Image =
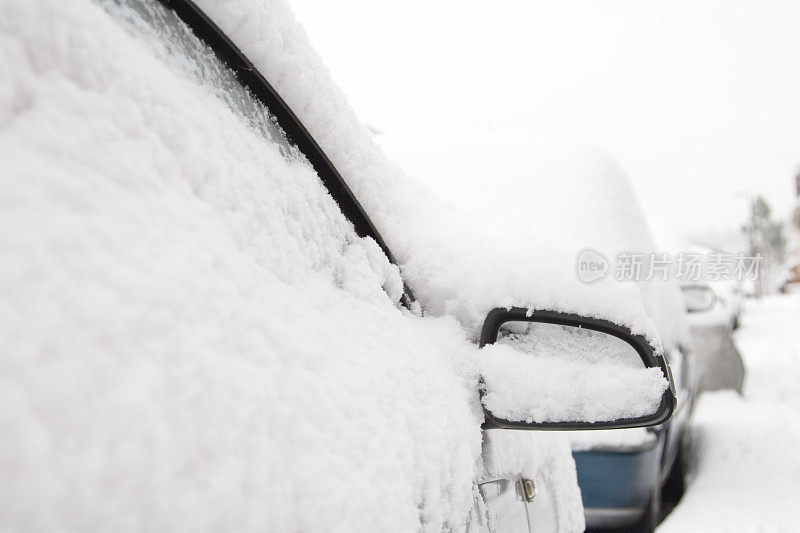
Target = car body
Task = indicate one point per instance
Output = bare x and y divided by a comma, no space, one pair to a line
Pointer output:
213,332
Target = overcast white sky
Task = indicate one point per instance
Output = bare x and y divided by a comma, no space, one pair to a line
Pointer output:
696,99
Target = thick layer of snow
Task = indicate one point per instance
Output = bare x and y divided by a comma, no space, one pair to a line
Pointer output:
746,447
520,250
550,373
191,335
521,387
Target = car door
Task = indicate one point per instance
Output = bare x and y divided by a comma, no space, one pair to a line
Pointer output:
509,500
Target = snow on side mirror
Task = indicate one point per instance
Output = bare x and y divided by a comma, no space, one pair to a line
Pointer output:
562,371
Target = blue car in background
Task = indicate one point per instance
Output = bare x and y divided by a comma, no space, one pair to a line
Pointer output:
624,476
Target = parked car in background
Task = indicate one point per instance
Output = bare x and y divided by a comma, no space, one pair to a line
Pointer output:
718,363
728,293
227,311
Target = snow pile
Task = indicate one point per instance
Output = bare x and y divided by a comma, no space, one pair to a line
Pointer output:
747,465
191,335
521,387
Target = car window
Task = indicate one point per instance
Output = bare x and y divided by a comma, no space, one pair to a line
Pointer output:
177,43
174,42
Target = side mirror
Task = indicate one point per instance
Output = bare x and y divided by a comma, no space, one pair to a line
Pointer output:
554,370
698,298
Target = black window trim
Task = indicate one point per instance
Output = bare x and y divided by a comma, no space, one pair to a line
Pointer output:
249,77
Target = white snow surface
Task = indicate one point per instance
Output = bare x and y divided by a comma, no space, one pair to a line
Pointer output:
519,251
192,336
540,372
747,466
521,387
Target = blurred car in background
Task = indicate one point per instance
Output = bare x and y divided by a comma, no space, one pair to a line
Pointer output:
717,360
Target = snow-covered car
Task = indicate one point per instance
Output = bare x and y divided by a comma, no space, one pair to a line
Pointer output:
204,325
727,302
